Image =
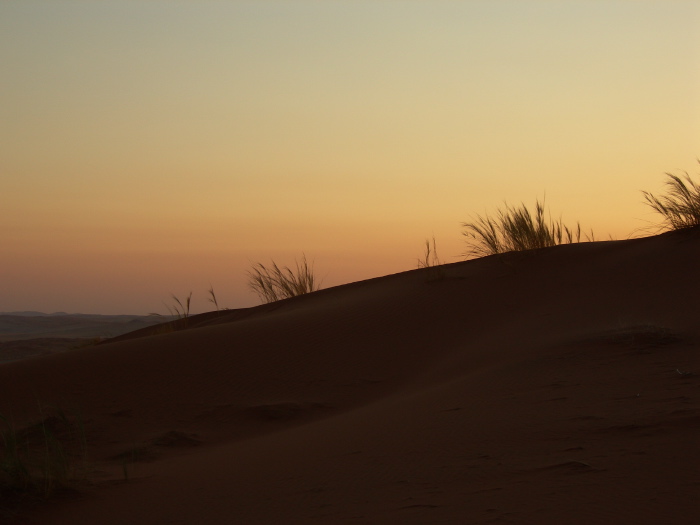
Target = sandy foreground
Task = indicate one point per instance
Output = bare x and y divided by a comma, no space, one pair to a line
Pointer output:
549,387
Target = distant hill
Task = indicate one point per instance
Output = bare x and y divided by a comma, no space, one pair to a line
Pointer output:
31,325
33,314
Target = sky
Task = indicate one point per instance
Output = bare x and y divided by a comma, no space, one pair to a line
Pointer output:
153,148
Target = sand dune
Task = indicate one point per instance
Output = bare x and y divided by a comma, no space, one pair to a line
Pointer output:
555,386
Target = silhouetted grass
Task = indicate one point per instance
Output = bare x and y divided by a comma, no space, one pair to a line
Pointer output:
212,297
273,283
430,255
180,309
431,261
517,229
680,208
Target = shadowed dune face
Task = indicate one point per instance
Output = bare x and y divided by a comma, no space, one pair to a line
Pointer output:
559,385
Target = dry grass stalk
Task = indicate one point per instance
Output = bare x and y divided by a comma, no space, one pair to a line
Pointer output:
180,309
430,255
212,297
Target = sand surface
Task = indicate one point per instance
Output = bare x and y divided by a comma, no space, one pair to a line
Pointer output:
547,387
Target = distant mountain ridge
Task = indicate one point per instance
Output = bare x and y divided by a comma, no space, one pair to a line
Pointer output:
32,313
31,325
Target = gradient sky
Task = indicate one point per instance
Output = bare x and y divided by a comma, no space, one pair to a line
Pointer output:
155,147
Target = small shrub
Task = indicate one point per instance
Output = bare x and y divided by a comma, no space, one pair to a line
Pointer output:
681,207
273,283
517,229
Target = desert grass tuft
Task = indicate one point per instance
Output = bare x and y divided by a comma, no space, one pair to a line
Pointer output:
212,297
40,459
680,208
431,261
273,283
518,229
14,471
430,255
180,309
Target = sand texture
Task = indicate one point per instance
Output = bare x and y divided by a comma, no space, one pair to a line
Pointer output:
547,387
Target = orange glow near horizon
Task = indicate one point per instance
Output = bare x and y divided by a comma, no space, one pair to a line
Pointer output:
155,148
